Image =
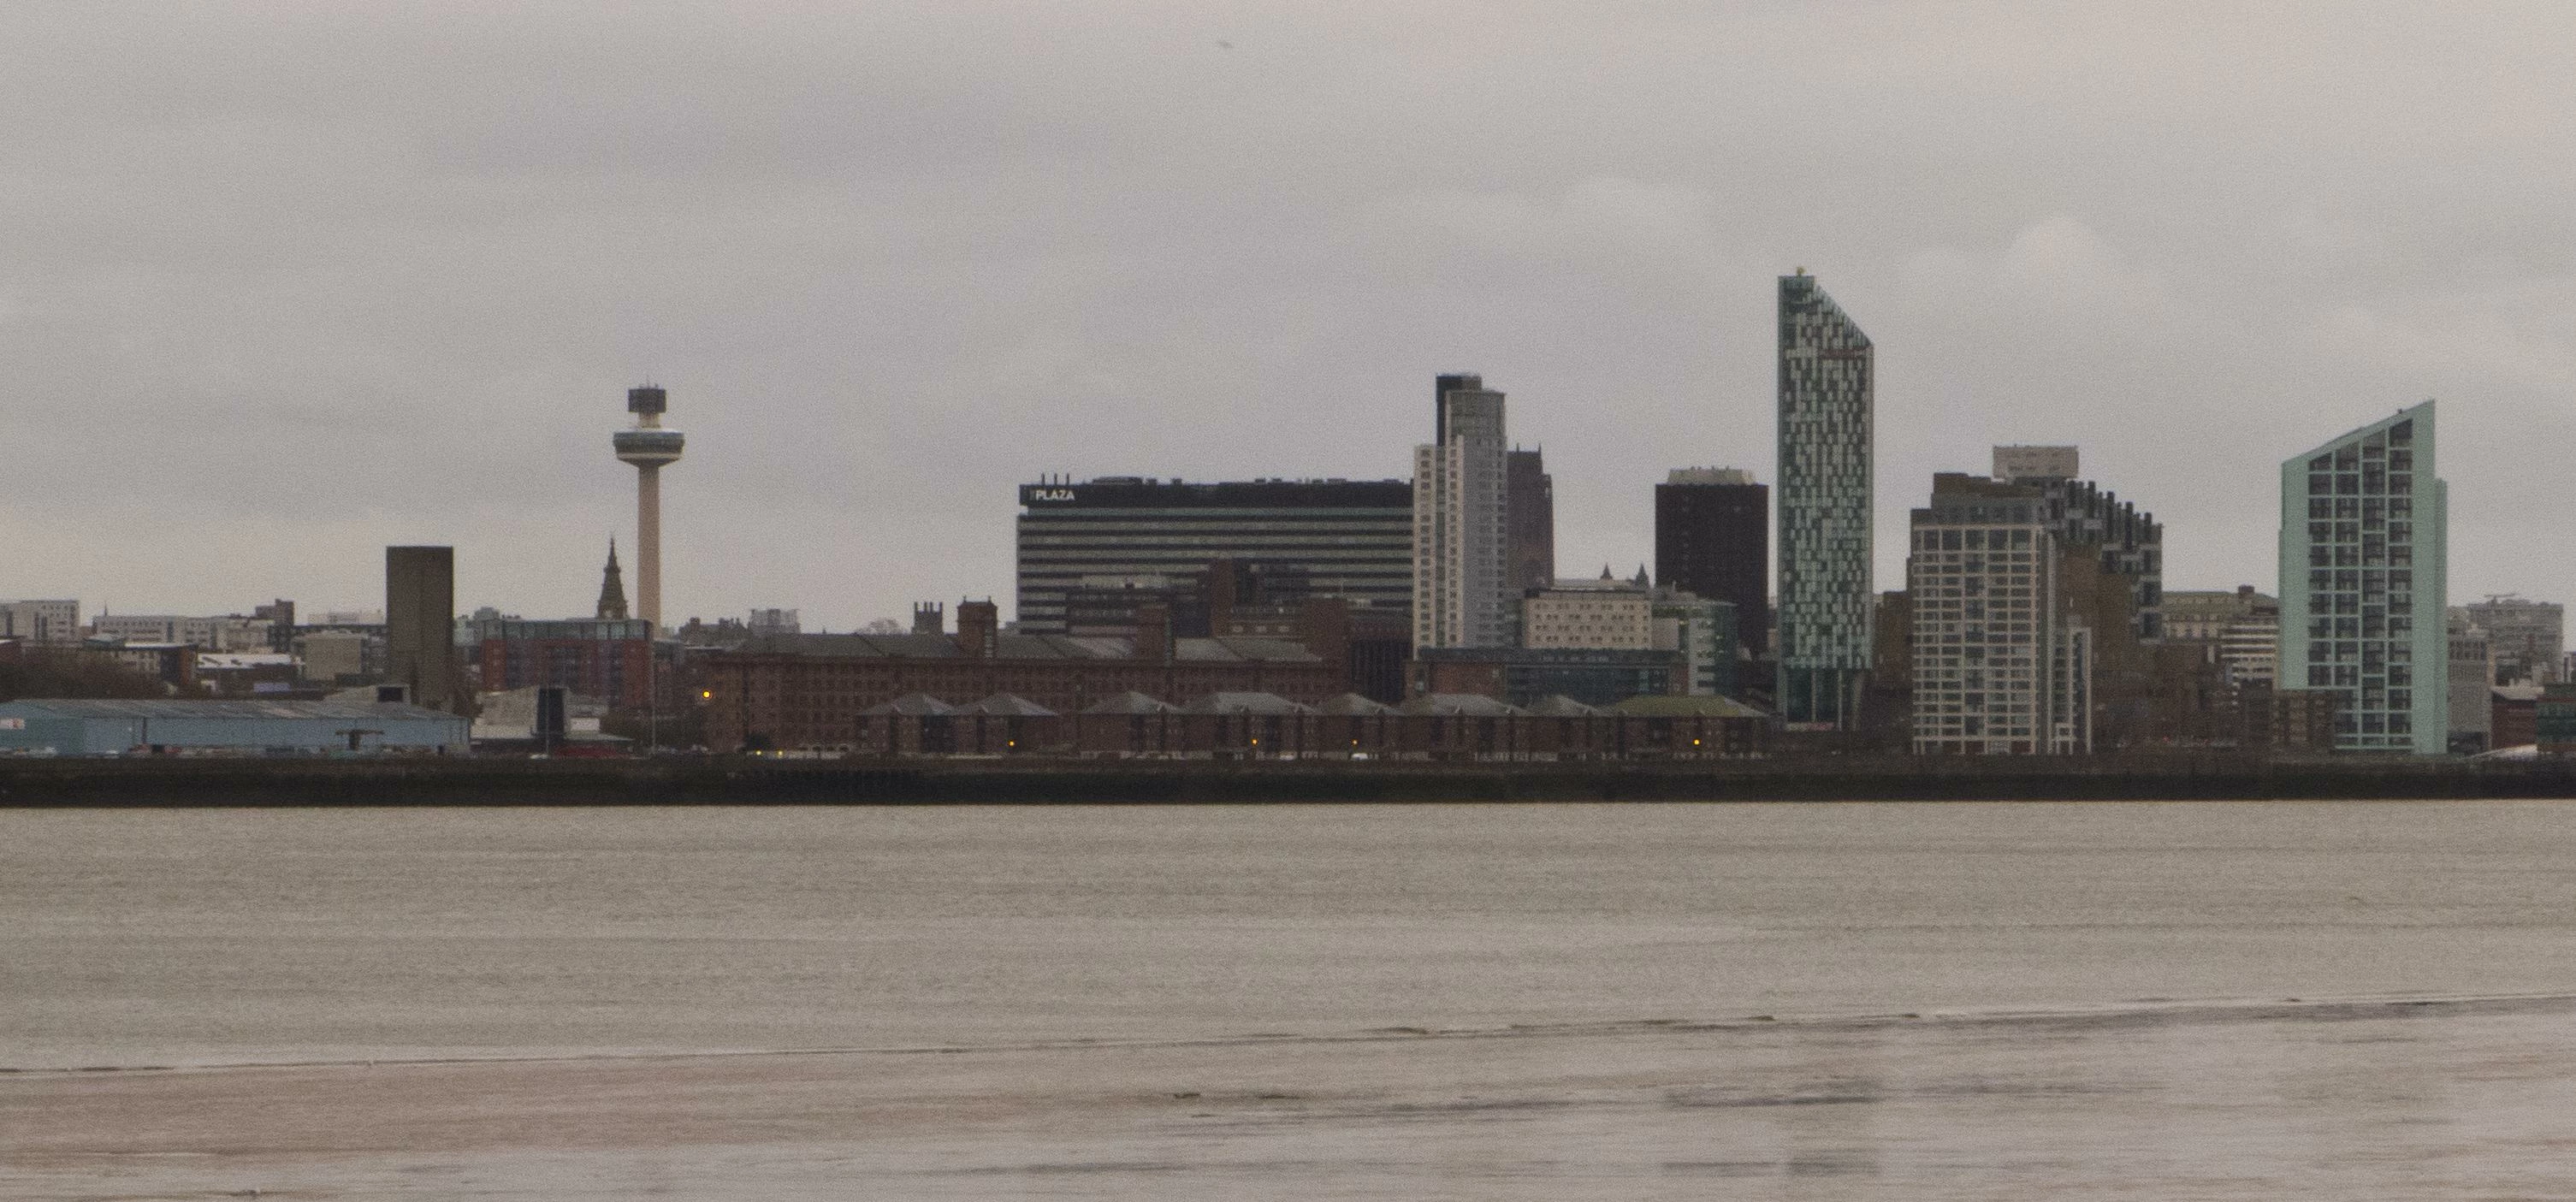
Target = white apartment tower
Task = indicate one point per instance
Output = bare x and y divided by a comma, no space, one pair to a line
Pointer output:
1462,594
2002,663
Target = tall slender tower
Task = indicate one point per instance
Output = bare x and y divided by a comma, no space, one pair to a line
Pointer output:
648,446
1461,594
1826,373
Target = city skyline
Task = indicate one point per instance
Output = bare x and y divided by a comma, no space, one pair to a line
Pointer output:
259,333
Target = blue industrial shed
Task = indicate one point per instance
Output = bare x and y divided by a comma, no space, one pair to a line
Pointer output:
237,727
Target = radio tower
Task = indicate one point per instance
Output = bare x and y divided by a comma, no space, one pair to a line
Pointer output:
648,446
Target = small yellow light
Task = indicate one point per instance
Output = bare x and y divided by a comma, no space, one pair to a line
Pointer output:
707,695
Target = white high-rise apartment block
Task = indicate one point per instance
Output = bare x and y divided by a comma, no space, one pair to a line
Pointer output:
2363,533
1462,596
2002,665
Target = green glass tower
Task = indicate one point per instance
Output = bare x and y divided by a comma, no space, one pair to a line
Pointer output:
1826,375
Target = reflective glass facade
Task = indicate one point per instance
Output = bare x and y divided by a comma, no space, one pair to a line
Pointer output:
2362,584
1825,380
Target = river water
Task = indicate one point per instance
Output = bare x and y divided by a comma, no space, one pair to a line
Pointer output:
1826,1001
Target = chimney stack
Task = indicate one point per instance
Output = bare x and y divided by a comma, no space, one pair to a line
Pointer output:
1154,632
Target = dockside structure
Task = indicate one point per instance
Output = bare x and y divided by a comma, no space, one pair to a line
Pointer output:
808,690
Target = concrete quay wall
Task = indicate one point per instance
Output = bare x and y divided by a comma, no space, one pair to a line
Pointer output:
729,781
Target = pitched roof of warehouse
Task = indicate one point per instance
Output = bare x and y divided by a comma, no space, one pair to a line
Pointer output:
1023,647
1658,706
235,710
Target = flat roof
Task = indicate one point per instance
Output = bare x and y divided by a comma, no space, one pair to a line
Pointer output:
245,710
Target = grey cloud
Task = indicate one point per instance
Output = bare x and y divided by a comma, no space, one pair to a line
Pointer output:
285,284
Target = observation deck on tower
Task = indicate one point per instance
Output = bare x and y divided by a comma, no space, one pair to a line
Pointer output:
648,444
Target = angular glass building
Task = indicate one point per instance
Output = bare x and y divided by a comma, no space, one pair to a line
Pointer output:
2362,584
1826,373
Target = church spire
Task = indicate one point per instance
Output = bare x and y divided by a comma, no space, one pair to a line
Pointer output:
612,589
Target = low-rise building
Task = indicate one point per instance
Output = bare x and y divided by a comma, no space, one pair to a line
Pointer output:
1522,675
607,659
1705,633
809,690
1607,613
248,673
1440,726
96,728
2514,716
226,633
2554,719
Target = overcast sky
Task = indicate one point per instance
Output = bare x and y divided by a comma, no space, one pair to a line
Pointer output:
281,283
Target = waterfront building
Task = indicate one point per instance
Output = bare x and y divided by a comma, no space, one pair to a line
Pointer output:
1603,613
2527,638
1713,539
2554,719
2514,715
2001,655
56,622
1248,726
2112,573
608,660
1462,592
808,690
1826,378
1523,675
2363,531
1704,631
1529,514
79,728
420,630
1351,539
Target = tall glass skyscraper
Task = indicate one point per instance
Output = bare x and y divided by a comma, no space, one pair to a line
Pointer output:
2362,584
1825,379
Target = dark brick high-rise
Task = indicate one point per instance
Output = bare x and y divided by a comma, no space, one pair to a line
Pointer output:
1529,522
1713,538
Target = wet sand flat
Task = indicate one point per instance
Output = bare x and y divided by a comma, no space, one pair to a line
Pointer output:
2450,1098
